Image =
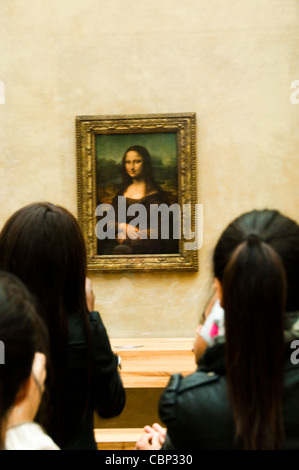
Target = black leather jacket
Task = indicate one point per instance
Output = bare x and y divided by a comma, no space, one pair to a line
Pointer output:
196,411
106,392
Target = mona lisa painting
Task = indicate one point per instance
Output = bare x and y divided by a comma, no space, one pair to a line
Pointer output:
135,174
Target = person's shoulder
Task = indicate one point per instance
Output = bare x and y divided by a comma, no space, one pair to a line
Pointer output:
99,333
196,379
183,392
28,436
95,320
76,323
179,385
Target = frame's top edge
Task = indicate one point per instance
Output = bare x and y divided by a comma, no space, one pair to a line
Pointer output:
133,116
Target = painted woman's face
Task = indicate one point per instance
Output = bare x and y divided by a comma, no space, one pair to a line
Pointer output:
134,164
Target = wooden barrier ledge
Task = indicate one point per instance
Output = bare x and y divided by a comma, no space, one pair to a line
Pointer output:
117,439
145,363
149,362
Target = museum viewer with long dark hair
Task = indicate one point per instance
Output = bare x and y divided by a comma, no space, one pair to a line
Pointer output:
244,394
43,245
22,368
139,187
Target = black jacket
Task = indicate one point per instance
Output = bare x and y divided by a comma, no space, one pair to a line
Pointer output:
196,411
104,386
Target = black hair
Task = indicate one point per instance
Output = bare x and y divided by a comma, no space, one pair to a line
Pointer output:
23,333
257,262
43,245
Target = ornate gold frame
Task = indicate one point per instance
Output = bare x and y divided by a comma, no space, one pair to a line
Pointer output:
87,127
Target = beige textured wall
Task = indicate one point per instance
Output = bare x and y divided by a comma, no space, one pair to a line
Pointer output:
230,61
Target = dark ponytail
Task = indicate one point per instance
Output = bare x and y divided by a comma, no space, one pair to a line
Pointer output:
254,296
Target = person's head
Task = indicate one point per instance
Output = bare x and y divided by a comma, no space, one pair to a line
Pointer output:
136,164
274,229
256,264
42,244
23,335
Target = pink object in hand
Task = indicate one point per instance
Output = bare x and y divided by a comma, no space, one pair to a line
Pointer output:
214,330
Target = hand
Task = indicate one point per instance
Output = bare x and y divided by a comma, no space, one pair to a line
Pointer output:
127,230
152,439
199,345
210,306
148,234
157,428
90,297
